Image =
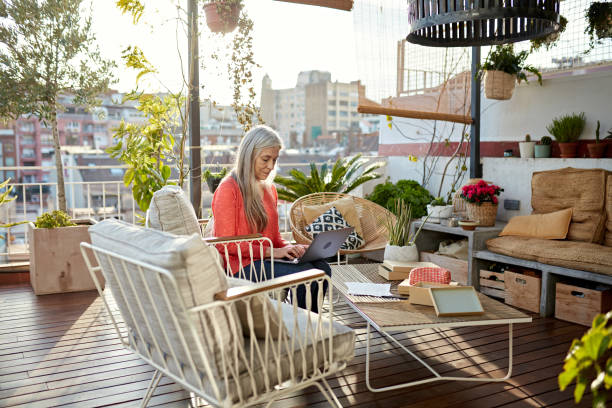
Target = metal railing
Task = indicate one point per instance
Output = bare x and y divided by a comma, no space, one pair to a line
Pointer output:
97,199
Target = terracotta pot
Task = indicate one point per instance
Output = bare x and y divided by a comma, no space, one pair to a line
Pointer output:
224,22
568,150
596,150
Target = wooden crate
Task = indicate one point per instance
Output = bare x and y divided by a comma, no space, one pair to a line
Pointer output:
522,290
492,284
457,267
581,305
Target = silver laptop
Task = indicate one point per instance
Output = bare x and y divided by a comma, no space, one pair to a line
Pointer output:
324,245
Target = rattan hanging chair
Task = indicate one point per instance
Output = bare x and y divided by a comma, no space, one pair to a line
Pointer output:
373,219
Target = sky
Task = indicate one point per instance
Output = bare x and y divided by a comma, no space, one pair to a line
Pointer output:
288,38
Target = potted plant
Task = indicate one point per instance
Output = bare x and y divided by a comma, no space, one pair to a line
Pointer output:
588,362
527,147
502,68
542,148
56,262
566,130
599,22
214,178
481,202
410,191
597,149
550,40
222,15
439,208
401,246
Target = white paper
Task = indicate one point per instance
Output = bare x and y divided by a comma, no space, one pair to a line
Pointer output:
369,289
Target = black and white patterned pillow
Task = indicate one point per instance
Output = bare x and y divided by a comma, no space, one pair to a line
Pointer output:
331,220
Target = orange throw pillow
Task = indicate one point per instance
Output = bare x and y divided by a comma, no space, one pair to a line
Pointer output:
545,226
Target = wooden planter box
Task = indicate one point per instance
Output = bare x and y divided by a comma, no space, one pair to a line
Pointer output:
523,290
56,262
492,284
581,305
457,267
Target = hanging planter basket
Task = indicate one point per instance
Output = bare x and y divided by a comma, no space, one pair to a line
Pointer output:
499,85
599,20
221,17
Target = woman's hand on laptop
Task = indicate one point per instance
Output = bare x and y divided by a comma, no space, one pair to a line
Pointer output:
290,251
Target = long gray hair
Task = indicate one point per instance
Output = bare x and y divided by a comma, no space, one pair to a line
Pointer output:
252,143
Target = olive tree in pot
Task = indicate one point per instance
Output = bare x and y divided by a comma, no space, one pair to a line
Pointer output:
542,148
566,130
401,246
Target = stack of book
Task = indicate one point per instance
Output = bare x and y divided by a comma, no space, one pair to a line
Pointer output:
394,270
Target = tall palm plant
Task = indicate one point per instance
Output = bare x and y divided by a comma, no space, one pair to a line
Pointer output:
344,176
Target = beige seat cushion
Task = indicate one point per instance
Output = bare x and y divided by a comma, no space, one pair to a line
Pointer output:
260,306
545,226
581,190
171,211
198,276
583,256
346,206
608,232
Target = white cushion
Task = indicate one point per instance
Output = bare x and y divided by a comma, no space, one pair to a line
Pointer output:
171,211
198,276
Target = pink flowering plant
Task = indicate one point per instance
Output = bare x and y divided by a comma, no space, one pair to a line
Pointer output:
482,192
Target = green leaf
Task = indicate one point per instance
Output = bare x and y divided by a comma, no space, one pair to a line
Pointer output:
581,384
166,171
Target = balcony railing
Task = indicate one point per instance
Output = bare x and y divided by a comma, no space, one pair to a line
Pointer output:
90,198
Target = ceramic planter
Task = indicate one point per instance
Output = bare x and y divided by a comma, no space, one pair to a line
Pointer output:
439,211
597,150
401,253
56,262
568,150
542,151
527,149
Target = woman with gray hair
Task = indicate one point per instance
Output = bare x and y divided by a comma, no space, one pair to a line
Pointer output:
246,202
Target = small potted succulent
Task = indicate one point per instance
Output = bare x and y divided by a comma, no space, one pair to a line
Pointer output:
214,178
597,149
222,15
542,148
566,130
527,147
502,69
599,22
439,208
482,202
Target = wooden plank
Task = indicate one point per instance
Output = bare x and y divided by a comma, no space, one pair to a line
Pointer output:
405,113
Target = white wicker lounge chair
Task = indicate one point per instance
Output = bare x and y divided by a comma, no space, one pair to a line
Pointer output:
233,347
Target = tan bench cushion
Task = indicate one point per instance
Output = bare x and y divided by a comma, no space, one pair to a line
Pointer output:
574,255
582,190
544,226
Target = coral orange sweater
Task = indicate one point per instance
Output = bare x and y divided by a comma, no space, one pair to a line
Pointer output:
230,220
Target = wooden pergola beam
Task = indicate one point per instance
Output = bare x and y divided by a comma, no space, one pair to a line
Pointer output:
405,113
346,5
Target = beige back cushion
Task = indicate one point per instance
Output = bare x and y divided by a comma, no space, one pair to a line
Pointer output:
608,234
581,190
346,206
171,211
193,265
553,225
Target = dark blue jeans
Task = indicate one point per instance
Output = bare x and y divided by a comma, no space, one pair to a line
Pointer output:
284,269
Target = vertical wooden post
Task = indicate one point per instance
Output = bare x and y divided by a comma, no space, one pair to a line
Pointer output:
195,163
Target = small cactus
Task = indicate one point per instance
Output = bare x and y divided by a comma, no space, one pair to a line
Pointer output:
528,137
597,132
545,140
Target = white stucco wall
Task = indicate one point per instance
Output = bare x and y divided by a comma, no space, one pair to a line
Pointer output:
531,108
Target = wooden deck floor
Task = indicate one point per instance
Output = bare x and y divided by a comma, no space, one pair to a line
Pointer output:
61,350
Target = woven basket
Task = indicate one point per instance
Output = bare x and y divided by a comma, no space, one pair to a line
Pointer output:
483,214
499,85
459,204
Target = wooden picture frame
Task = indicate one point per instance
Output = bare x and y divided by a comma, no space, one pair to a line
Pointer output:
456,301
